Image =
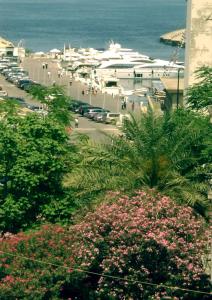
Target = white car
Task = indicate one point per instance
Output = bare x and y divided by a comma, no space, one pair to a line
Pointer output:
111,118
122,118
3,93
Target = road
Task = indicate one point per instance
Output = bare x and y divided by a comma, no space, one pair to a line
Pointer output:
94,130
48,76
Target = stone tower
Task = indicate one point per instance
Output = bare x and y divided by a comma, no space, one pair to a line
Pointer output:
198,37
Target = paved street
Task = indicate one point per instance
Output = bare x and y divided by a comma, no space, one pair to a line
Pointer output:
13,91
95,130
37,73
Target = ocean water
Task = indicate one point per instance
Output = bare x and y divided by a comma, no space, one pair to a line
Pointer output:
138,24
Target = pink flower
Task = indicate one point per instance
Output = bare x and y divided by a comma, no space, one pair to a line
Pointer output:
9,279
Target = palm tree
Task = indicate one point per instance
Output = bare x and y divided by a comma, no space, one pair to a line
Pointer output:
199,96
166,153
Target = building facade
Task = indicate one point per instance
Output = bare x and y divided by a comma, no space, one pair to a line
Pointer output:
6,48
198,38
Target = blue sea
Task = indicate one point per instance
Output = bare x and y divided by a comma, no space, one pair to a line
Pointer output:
138,24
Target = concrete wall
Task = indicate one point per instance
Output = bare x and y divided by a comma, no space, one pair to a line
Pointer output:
198,37
171,100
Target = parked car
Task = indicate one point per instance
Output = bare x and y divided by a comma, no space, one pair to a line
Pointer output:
99,116
93,114
13,78
83,108
34,107
16,100
122,119
3,67
89,114
75,105
111,118
13,64
3,93
41,112
22,82
29,86
18,78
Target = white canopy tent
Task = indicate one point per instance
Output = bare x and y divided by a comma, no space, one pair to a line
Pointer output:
55,51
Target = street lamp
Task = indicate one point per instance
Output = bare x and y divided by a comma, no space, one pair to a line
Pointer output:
178,86
38,73
90,97
118,101
104,100
90,91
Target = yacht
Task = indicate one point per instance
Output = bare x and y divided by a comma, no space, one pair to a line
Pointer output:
118,68
115,51
157,69
119,62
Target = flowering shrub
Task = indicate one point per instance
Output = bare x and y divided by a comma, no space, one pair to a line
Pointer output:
38,276
140,239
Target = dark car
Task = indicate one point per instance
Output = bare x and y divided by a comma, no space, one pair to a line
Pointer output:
16,100
84,108
23,82
75,104
34,107
29,86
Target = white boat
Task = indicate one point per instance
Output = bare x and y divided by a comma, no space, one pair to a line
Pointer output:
79,65
117,68
142,90
157,69
110,85
119,62
115,51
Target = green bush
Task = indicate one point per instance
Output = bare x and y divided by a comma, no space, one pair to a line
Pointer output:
35,156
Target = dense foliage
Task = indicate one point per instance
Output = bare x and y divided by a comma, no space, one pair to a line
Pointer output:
133,247
35,155
199,96
145,238
55,101
171,153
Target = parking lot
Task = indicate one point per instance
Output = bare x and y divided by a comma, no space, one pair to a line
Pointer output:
95,130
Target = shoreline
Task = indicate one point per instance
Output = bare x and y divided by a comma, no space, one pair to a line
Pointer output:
174,38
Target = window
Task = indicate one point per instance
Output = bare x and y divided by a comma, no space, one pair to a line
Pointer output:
120,66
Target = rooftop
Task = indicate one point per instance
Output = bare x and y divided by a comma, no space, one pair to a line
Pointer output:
170,84
4,43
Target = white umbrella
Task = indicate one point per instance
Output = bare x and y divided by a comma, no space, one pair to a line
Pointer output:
39,53
55,51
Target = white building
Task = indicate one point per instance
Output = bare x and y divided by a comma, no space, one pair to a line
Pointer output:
19,52
6,48
198,38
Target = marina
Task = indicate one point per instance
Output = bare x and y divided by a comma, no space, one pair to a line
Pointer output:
124,69
105,150
116,70
85,24
105,77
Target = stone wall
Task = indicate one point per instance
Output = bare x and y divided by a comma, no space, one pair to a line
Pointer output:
198,37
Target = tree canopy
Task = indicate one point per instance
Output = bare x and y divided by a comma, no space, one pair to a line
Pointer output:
55,101
35,155
199,96
170,153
